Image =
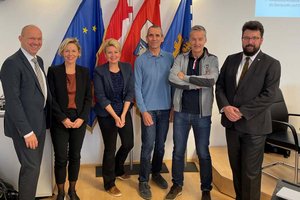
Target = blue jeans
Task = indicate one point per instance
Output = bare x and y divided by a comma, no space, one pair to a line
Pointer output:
201,127
153,137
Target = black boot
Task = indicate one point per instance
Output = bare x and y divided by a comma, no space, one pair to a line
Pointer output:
61,192
72,192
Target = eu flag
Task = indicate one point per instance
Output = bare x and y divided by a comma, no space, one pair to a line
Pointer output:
177,38
87,26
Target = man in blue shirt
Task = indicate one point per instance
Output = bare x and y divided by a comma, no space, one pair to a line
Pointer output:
153,97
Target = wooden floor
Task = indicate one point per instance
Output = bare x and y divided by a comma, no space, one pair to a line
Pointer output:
91,188
222,175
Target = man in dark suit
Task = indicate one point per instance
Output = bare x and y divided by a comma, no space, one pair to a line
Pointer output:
25,90
245,90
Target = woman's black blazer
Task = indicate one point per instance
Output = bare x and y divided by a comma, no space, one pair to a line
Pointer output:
57,79
103,86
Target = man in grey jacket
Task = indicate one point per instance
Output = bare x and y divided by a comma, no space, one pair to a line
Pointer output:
193,76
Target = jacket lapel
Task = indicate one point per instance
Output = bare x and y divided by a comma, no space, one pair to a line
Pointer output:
107,75
124,75
29,67
236,64
79,83
253,67
62,75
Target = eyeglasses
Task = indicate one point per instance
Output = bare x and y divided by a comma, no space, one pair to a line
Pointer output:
250,38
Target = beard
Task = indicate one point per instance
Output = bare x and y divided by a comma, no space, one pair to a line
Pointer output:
252,51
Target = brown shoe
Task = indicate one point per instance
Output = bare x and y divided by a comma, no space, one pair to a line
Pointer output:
114,191
124,177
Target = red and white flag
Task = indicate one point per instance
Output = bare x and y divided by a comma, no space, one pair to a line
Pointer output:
117,28
135,44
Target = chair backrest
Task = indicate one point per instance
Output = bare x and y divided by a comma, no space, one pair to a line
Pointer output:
279,112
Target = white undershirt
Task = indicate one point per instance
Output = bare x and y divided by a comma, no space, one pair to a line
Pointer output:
240,69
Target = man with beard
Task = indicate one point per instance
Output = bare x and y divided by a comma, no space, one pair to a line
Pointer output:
245,89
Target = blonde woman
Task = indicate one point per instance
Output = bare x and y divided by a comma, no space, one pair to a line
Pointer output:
70,88
114,91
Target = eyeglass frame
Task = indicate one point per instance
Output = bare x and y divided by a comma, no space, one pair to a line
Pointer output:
245,38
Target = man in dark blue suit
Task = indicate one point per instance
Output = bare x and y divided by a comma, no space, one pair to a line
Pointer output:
25,90
245,89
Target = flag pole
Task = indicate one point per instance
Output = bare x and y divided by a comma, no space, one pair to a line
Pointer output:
189,166
131,152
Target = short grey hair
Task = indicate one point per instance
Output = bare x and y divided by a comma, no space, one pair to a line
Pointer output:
198,28
155,26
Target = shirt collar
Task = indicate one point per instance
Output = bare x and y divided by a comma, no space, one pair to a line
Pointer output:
27,55
202,55
251,57
149,54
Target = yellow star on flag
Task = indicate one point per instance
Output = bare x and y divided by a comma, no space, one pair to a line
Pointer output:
85,30
94,28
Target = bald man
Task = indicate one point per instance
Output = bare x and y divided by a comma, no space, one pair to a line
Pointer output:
26,93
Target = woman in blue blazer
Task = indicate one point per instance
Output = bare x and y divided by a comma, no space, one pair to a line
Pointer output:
70,87
114,92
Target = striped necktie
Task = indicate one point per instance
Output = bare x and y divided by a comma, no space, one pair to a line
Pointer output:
39,74
245,68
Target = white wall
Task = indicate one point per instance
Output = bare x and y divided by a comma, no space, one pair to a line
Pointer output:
222,19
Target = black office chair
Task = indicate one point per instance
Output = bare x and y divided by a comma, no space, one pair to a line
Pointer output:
284,135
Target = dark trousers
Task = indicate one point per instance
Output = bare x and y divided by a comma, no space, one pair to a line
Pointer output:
113,165
246,152
153,137
67,143
201,128
30,160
